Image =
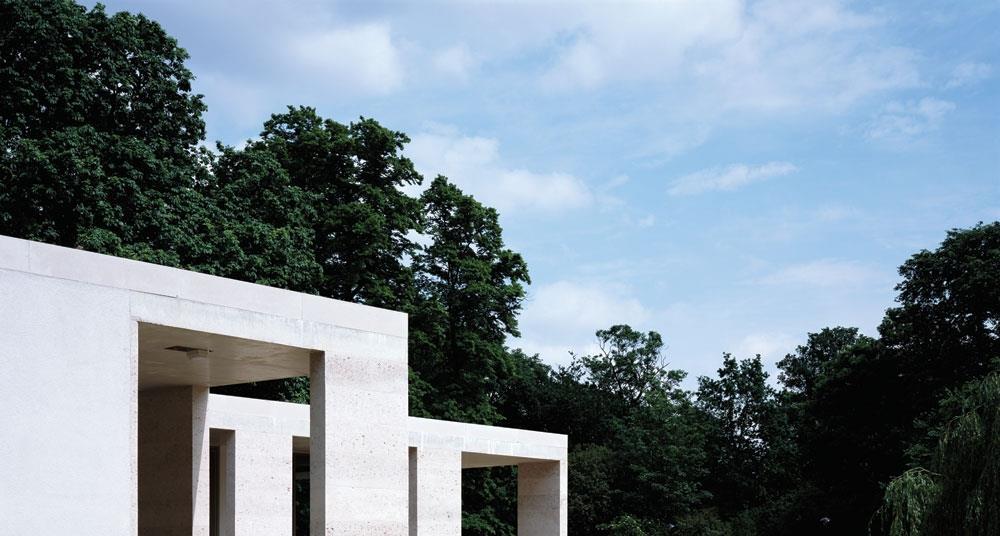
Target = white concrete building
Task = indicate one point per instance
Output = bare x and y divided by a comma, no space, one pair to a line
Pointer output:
107,426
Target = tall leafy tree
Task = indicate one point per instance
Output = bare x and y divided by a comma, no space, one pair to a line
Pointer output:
638,451
946,329
470,290
803,370
355,175
269,217
959,491
749,433
319,206
470,287
98,134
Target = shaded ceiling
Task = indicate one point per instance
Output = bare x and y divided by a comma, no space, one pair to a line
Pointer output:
171,356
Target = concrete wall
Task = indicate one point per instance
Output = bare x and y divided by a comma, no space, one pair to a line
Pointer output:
435,492
438,450
173,462
262,476
67,405
69,356
542,499
256,463
358,438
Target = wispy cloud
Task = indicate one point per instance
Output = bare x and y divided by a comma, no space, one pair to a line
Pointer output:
822,273
729,178
766,55
968,74
563,316
771,346
363,58
456,62
474,163
902,123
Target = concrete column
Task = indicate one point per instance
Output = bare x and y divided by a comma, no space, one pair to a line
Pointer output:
358,440
542,499
262,484
173,462
435,492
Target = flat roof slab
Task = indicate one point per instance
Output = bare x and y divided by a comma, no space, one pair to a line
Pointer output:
170,356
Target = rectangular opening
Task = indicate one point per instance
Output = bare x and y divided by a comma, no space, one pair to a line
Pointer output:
186,472
300,486
222,482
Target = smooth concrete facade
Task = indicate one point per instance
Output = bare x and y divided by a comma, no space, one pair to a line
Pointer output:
107,420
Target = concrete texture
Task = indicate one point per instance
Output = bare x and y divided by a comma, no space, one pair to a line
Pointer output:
82,442
230,360
151,279
68,399
173,462
435,492
542,499
262,477
486,446
362,401
438,450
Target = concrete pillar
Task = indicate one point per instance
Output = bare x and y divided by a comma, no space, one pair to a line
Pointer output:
173,462
542,499
435,492
262,484
358,441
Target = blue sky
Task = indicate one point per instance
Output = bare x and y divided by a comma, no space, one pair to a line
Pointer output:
731,174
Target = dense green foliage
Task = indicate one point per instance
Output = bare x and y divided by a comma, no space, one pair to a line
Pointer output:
101,150
961,490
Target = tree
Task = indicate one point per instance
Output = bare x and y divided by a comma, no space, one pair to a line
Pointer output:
270,218
749,438
946,329
803,370
638,441
960,491
354,175
470,290
98,134
629,366
853,435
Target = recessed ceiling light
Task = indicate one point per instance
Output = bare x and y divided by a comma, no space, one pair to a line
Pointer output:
192,353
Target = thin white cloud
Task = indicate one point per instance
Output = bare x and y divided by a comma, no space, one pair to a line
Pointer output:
822,273
728,178
456,62
968,74
246,105
564,315
760,56
772,346
636,41
359,58
474,163
905,122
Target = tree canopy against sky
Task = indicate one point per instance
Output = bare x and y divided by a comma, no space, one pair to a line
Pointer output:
101,139
738,173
